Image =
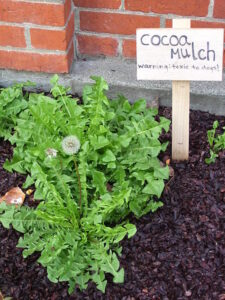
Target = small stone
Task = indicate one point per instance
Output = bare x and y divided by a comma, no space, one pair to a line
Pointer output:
188,293
222,190
203,218
219,234
199,237
157,263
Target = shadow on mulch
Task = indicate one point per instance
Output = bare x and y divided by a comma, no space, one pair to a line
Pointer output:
178,252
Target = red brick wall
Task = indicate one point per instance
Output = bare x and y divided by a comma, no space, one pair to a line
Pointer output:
37,35
107,27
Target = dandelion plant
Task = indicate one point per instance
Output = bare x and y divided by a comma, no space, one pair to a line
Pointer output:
72,153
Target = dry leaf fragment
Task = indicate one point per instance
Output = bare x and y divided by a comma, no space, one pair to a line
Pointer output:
14,196
168,162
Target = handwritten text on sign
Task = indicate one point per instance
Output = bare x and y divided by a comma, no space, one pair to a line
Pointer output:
180,54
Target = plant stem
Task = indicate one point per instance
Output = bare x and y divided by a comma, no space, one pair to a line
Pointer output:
61,164
64,103
62,183
78,177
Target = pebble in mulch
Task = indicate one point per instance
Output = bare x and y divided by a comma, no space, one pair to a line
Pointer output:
178,252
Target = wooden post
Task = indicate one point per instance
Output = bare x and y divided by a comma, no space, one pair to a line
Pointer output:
180,109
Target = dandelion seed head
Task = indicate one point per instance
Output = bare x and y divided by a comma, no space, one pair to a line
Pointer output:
51,153
71,145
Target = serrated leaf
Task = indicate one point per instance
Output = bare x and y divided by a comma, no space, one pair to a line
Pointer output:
100,281
16,164
108,156
7,218
139,106
131,230
29,181
119,276
125,140
162,173
155,187
99,142
99,181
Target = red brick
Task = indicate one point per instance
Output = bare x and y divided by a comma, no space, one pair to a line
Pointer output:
129,48
52,39
115,23
219,9
93,45
137,5
113,4
35,62
168,23
179,7
36,13
12,36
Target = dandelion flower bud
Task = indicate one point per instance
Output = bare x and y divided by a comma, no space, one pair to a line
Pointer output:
50,152
71,145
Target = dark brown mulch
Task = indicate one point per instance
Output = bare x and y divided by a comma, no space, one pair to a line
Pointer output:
178,252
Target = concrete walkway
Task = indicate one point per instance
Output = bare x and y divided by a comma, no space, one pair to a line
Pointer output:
121,77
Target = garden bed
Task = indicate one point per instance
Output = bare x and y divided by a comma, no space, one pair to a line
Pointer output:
177,253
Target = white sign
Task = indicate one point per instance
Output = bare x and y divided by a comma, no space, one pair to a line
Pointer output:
180,54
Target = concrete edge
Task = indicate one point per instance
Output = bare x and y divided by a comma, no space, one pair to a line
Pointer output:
121,77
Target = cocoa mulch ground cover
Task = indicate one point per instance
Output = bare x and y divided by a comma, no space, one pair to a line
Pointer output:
178,252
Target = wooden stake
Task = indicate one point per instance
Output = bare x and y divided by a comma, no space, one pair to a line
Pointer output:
180,109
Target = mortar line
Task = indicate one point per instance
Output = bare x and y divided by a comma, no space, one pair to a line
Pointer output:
162,22
56,2
36,26
76,28
211,8
122,7
30,25
28,38
150,14
75,43
104,34
33,50
120,48
69,46
77,19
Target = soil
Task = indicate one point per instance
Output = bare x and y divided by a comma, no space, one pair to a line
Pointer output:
178,252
